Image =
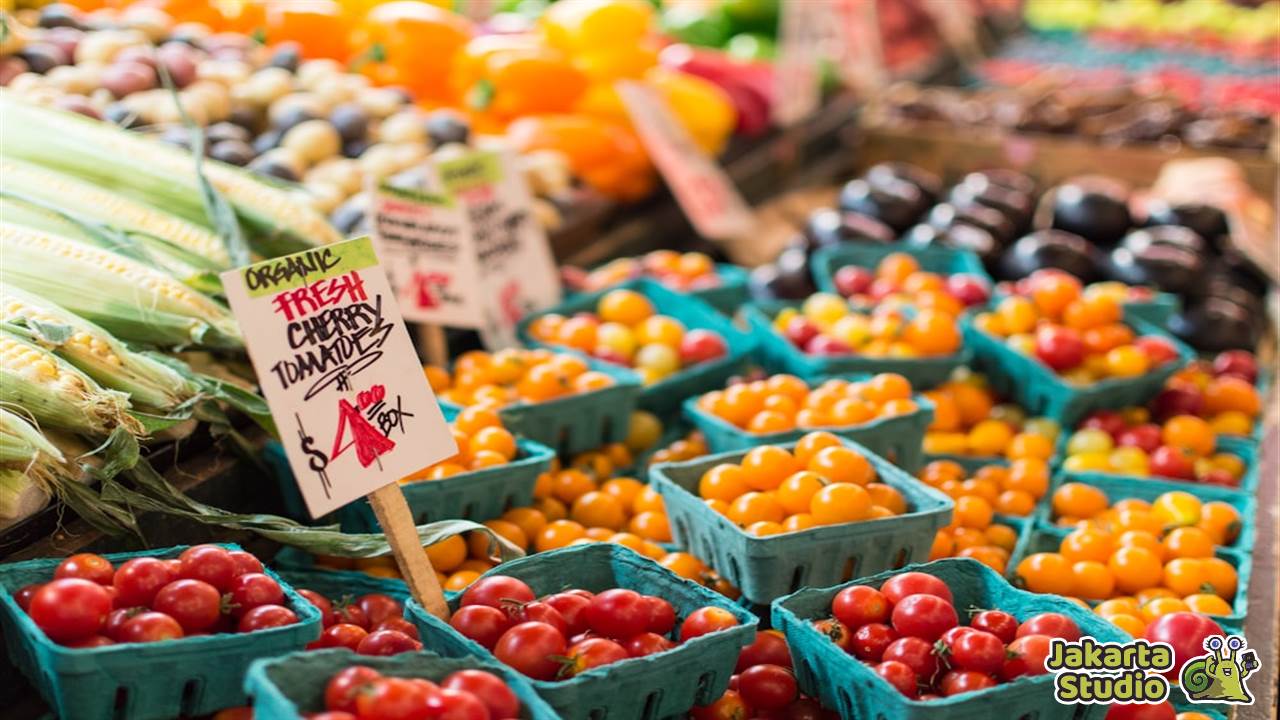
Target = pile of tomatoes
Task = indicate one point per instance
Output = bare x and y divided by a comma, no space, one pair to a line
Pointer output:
1180,448
763,685
1221,391
898,278
678,271
969,419
567,633
514,375
372,624
785,402
205,590
826,324
909,633
482,443
362,693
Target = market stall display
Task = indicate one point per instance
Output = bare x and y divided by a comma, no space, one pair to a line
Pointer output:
999,382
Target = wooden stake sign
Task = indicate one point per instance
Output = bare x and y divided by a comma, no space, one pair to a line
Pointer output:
341,377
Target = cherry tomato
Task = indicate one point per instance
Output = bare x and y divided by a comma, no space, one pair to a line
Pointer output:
352,614
245,562
1026,656
267,616
963,681
978,650
537,611
327,615
339,635
330,715
729,706
488,689
93,641
914,583
70,609
346,685
998,623
378,607
662,616
150,627
400,625
769,648
532,648
571,607
899,676
1059,347
481,623
1142,711
838,633
706,620
618,613
252,590
138,580
195,604
924,616
1185,632
590,653
493,590
24,595
455,705
647,643
858,605
869,641
1051,624
767,687
210,564
916,654
387,642
393,699
116,619
86,566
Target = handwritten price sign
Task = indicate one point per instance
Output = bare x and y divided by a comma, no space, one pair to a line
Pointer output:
339,371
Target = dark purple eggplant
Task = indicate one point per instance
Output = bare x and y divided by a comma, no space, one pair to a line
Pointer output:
1175,235
1094,208
786,278
827,227
1165,266
1001,228
1208,221
979,191
959,236
1217,324
896,203
1051,249
926,182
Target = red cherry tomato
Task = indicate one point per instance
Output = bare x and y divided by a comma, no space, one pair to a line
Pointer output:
729,706
331,715
1059,347
924,616
70,609
869,641
590,653
662,615
150,627
455,705
339,635
393,699
978,650
916,654
532,648
914,583
618,613
571,607
115,621
998,623
706,620
400,625
963,681
245,562
24,595
93,641
767,687
858,605
86,566
899,676
378,607
647,643
488,688
481,623
1142,711
209,563
496,589
266,616
1051,624
252,590
138,580
537,611
195,604
346,685
837,632
327,615
1185,632
387,642
1025,656
769,648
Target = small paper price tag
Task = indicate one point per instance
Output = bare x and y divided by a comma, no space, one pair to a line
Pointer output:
805,39
862,63
424,240
516,270
704,191
338,370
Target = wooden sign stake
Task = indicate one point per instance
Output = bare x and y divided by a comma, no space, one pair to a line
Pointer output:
392,511
434,344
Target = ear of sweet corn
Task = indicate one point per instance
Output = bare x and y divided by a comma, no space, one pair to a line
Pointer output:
150,385
29,466
56,394
134,302
158,175
21,443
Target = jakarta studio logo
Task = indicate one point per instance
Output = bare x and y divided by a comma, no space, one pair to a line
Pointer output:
1219,675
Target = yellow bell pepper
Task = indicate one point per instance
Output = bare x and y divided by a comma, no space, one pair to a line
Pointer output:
617,62
704,109
578,25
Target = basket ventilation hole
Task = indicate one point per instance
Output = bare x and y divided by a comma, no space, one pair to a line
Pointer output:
597,714
704,684
846,703
190,697
509,503
606,430
121,708
901,558
469,511
650,711
735,573
797,577
681,530
850,569
562,443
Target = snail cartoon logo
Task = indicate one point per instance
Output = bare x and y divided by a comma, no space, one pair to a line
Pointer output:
1219,675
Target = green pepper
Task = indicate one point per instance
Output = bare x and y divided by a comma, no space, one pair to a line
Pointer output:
752,46
707,27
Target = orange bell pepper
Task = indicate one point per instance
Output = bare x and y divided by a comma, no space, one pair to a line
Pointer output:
606,156
514,76
243,16
412,44
317,26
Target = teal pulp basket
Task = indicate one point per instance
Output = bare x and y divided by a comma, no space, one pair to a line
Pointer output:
582,422
852,689
941,260
777,354
292,687
898,439
1155,311
765,568
970,463
141,681
658,686
338,584
664,396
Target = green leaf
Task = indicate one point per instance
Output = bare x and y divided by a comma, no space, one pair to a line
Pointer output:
480,96
51,333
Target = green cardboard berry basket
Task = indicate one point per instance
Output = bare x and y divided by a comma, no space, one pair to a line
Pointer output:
292,687
765,568
941,260
338,584
664,396
898,439
141,681
658,686
970,463
1041,391
1155,311
851,688
779,355
1246,451
1037,537
726,297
